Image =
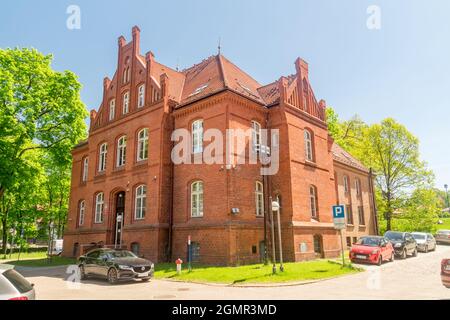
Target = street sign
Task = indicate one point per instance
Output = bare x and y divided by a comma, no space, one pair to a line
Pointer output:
339,217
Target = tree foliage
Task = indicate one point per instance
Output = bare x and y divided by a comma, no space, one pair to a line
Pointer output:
41,119
393,154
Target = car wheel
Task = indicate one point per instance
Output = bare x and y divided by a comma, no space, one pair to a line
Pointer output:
414,253
380,260
82,272
392,256
404,254
112,276
426,249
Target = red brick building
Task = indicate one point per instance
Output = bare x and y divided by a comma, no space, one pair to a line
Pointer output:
126,190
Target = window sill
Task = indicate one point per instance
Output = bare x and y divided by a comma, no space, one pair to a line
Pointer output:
119,169
141,162
311,163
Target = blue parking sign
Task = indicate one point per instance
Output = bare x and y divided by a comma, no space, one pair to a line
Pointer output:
338,212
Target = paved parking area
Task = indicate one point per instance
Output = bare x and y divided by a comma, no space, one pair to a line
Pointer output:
413,278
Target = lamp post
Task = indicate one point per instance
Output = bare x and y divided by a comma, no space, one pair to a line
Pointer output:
446,194
272,229
276,207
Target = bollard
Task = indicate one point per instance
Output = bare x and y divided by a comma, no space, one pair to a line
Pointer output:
179,262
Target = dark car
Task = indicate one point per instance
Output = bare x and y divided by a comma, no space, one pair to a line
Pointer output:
114,265
403,242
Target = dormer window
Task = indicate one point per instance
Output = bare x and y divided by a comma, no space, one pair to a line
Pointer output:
198,90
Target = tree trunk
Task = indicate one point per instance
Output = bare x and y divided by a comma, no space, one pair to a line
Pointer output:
5,233
388,221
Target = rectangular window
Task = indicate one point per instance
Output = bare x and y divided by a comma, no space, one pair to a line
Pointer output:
141,96
259,198
85,169
349,213
99,202
112,109
362,221
345,184
126,102
349,242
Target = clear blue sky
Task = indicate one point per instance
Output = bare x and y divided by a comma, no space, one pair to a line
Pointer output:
400,71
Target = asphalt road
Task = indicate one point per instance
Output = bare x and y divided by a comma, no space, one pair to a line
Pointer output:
413,278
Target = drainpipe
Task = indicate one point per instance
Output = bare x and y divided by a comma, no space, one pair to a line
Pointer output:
170,235
374,205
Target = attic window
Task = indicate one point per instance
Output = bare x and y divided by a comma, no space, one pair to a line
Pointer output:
198,90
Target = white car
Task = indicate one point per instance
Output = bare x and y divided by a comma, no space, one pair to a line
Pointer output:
13,286
425,241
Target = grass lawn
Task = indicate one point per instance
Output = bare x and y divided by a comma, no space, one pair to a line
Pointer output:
35,259
300,271
445,225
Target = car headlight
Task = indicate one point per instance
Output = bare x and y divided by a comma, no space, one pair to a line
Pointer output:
124,267
152,266
397,245
375,251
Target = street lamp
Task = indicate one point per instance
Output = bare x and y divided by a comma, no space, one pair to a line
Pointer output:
276,207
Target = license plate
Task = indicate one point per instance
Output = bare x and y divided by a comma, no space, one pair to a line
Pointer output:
447,267
360,256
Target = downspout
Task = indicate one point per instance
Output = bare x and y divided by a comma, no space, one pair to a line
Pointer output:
374,205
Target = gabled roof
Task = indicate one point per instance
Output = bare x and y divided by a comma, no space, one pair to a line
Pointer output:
215,74
346,158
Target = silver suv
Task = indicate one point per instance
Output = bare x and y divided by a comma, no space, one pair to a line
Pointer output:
13,286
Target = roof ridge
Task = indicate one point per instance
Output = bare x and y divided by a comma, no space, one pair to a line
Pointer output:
222,71
244,72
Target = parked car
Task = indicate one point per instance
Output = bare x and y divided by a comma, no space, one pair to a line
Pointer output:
372,249
445,272
114,265
425,241
403,242
13,286
55,248
443,237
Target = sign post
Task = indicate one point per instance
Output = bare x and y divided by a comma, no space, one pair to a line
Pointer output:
339,224
189,254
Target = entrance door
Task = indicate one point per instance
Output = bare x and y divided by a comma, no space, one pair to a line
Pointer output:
120,209
318,246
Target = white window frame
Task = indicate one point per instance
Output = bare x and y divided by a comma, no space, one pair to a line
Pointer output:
126,102
140,204
112,109
313,202
256,136
84,176
197,199
309,152
197,136
99,206
121,151
141,96
103,152
142,147
259,199
81,212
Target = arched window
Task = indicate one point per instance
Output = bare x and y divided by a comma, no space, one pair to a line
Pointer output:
256,136
102,157
84,175
126,102
313,201
346,184
142,147
140,204
259,199
81,212
358,187
126,75
197,136
99,205
197,199
141,96
112,109
121,150
309,155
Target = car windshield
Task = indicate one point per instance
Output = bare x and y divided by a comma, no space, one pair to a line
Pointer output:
419,236
371,242
394,235
121,254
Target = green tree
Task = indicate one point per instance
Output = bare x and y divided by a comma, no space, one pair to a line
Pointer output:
40,109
